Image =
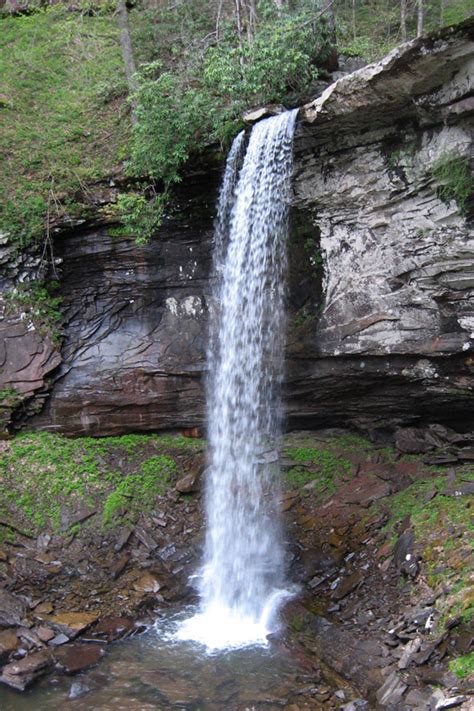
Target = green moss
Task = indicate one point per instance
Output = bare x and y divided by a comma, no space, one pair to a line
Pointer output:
323,466
352,442
463,667
137,492
42,473
454,176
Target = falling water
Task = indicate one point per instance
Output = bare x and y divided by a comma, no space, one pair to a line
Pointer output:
242,579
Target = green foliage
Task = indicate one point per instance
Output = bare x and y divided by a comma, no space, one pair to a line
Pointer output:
21,217
456,182
57,134
170,117
139,216
281,58
8,394
377,24
137,492
456,11
180,112
42,473
463,667
38,301
322,465
63,95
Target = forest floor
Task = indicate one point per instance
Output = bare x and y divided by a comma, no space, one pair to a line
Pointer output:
97,536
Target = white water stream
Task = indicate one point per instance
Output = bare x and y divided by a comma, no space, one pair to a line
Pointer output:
242,579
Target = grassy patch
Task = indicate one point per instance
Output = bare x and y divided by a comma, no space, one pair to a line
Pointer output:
136,492
322,465
463,667
60,130
444,532
440,512
43,474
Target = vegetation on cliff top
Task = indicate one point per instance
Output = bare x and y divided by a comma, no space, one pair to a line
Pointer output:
63,127
63,92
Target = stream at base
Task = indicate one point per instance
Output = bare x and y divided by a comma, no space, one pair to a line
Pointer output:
152,671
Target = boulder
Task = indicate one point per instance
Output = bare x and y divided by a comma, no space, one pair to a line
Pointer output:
12,609
71,624
391,691
147,583
9,643
262,112
347,585
20,674
110,629
74,658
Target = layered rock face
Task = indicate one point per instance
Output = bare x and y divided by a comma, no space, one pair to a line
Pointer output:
28,353
384,161
135,324
382,176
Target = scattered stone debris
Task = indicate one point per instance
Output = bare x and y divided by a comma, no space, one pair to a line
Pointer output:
365,607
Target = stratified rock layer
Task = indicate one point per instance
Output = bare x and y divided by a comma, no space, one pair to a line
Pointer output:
395,336
135,327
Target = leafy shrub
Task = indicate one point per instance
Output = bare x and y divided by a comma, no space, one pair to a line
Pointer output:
139,216
180,112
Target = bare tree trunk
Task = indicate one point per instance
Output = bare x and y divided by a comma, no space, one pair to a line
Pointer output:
354,31
328,9
403,20
420,19
441,13
218,20
252,19
127,52
238,18
327,14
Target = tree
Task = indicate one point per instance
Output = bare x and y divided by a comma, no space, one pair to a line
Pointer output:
403,20
127,52
420,19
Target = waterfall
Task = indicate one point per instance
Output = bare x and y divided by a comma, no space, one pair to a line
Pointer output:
242,579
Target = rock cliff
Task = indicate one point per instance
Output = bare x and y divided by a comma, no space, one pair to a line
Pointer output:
384,162
381,284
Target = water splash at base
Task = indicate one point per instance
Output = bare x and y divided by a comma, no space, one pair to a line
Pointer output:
219,627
